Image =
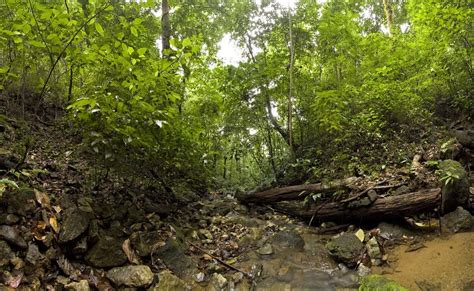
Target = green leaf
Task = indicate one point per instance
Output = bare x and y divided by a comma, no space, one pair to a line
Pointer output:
186,42
141,51
99,28
134,31
36,43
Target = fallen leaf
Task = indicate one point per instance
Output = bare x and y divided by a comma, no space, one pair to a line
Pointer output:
360,234
57,208
42,224
42,199
54,224
127,249
206,257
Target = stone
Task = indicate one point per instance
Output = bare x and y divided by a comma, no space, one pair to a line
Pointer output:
289,239
465,137
199,277
458,220
372,195
143,241
456,191
131,276
82,285
75,223
363,270
21,201
169,282
9,219
218,281
392,231
266,249
33,254
377,282
107,253
6,253
345,248
172,254
373,249
11,235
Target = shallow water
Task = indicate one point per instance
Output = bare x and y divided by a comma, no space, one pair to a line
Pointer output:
447,262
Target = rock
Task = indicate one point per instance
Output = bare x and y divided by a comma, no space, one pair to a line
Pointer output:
465,137
218,281
345,248
12,236
458,220
6,253
267,249
428,286
377,282
373,249
172,254
144,241
131,276
393,232
163,210
363,270
169,282
372,195
199,277
82,285
289,239
21,201
75,223
456,191
33,254
106,253
9,219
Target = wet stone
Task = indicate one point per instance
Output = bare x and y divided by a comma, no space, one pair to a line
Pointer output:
345,248
75,223
458,220
12,236
266,249
289,239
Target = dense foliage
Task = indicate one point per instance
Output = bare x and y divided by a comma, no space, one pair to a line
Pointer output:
324,85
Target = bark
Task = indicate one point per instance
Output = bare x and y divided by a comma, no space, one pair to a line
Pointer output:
383,208
165,25
388,15
290,86
295,192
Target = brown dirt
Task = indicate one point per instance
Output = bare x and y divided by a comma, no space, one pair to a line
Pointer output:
445,261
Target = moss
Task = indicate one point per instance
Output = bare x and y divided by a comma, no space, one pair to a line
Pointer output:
379,283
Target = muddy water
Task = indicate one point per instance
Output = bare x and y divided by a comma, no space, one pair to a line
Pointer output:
446,262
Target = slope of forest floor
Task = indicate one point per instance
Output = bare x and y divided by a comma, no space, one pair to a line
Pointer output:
71,225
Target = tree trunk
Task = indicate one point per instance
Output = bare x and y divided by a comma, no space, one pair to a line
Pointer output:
383,208
290,85
388,15
165,25
295,192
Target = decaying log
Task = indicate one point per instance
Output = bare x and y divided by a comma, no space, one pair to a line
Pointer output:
382,208
295,192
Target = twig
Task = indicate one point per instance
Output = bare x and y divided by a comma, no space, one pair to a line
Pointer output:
220,261
372,188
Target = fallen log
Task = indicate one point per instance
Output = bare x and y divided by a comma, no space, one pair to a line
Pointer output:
382,208
296,192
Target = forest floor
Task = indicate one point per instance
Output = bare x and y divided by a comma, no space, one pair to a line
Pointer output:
70,227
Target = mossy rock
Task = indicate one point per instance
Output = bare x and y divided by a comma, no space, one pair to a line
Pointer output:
456,191
379,283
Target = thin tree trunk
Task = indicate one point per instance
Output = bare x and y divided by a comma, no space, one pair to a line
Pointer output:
388,15
165,25
290,86
270,151
71,78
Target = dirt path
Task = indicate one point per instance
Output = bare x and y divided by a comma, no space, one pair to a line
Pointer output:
447,262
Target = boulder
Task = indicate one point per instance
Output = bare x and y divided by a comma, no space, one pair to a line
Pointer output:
465,137
75,223
172,254
144,241
458,220
131,276
455,192
107,253
21,201
11,235
345,248
289,239
169,282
